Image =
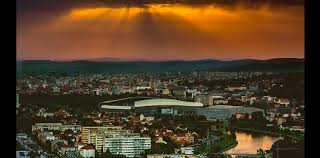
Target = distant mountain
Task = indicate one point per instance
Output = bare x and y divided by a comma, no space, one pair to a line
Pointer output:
277,64
116,66
111,59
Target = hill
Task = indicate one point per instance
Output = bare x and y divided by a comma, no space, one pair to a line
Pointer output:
103,67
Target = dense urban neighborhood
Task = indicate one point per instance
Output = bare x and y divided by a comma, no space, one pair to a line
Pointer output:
185,114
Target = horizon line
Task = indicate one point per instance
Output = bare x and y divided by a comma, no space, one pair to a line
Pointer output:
113,59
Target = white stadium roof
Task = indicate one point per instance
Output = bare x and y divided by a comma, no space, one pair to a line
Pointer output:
116,107
165,102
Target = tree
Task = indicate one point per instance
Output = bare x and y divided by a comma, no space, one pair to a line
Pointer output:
163,148
233,119
222,156
108,154
261,153
105,154
33,154
246,116
233,134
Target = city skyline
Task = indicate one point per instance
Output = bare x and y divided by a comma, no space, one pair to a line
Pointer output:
74,30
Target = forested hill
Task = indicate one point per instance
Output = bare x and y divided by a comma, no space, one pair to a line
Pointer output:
96,67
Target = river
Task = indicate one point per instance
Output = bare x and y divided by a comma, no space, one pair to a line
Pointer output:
249,143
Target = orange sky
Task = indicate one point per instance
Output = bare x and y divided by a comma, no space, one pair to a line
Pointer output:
157,31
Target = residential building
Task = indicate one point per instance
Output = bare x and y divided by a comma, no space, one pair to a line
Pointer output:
54,127
180,93
183,138
100,91
22,152
159,140
241,88
172,155
204,99
17,101
55,89
130,146
45,136
281,101
87,151
116,90
96,135
280,120
187,150
219,100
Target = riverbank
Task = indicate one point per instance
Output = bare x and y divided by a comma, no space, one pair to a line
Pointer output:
249,144
255,131
278,134
225,143
228,148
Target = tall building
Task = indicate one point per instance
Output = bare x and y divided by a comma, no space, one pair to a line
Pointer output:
130,146
204,99
96,135
116,90
180,93
17,101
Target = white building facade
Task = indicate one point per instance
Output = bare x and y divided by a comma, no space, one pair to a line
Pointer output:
131,146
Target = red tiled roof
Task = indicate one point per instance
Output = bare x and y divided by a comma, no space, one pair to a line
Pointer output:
87,147
156,139
183,142
181,135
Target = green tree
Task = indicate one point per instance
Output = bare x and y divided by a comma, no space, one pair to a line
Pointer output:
261,153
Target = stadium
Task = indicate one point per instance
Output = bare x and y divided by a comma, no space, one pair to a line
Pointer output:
150,105
153,105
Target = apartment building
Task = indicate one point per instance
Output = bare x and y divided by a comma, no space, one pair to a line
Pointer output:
96,135
128,145
54,127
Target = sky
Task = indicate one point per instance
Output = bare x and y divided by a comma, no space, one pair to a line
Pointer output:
153,30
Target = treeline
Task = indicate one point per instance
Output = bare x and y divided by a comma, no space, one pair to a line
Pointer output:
293,84
80,103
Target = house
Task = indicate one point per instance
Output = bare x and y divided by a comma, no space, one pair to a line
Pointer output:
268,99
281,101
22,152
62,113
183,138
45,136
187,150
87,151
141,117
136,120
252,100
65,148
239,115
22,136
231,89
47,114
280,120
56,144
159,140
297,128
180,93
164,133
217,100
172,156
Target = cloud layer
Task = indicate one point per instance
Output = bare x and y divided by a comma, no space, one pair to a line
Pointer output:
157,31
